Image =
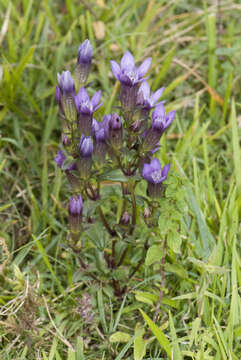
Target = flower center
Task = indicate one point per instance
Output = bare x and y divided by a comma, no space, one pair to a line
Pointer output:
132,75
156,176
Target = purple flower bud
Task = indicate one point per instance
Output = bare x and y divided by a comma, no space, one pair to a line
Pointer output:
60,158
58,97
66,83
85,160
75,205
85,53
115,122
155,175
65,140
83,63
85,147
65,93
115,128
125,218
75,213
100,131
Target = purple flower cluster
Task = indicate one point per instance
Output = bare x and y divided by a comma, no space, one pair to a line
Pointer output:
127,139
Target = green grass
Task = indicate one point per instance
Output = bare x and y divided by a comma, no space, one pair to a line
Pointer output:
200,313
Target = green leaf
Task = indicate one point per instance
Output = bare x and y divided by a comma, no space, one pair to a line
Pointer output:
154,254
176,269
174,241
119,337
176,350
139,345
113,175
163,340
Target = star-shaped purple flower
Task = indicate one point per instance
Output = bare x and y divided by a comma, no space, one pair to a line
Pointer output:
127,73
84,104
160,120
147,99
153,172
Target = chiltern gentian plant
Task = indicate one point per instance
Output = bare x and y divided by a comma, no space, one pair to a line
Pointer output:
109,161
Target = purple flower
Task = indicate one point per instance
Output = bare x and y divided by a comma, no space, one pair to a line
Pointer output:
101,129
85,147
146,98
160,121
84,104
153,172
127,73
155,175
75,205
85,53
60,158
66,83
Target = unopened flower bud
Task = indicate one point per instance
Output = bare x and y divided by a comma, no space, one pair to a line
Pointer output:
115,129
83,63
65,140
85,152
146,213
125,218
75,213
100,132
60,158
66,96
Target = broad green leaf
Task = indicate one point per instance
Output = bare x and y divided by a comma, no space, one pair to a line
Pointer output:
119,337
154,254
139,345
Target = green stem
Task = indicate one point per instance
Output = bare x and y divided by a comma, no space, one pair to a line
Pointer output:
162,281
105,223
133,200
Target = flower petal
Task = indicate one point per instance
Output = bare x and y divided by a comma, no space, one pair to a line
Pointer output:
144,89
146,172
169,118
127,61
95,99
165,171
158,112
155,164
115,69
156,95
143,68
